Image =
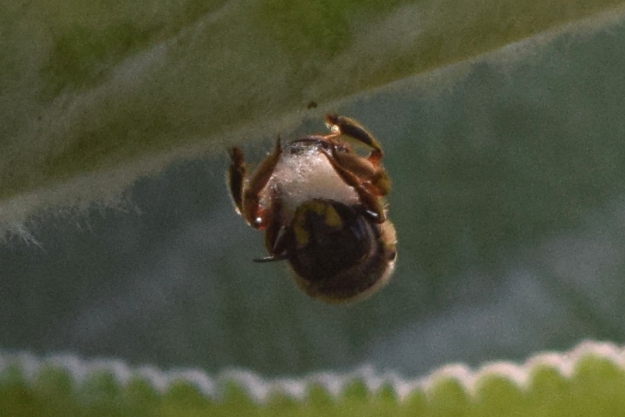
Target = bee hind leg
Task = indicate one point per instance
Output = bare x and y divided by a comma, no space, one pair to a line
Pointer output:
351,128
370,170
372,202
374,178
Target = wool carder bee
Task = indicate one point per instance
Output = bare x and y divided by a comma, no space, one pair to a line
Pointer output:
321,206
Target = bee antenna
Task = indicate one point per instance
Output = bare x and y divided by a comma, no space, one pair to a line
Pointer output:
277,258
372,215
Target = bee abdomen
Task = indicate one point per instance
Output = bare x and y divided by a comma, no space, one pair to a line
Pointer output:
336,251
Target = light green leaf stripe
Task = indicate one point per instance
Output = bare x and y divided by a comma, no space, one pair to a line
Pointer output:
124,88
589,380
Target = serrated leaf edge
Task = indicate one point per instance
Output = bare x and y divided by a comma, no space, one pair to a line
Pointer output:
261,390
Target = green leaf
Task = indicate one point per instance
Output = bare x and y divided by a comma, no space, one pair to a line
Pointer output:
590,380
122,89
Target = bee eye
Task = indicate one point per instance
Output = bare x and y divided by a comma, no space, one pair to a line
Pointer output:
392,255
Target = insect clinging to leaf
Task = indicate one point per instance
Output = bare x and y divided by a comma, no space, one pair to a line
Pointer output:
321,205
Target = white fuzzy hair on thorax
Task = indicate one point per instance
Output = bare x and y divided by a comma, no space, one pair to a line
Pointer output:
304,176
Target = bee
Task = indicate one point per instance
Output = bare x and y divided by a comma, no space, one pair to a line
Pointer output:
321,206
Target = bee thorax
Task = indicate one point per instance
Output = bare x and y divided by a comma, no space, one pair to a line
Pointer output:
309,175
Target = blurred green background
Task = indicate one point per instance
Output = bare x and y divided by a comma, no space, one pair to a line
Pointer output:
508,201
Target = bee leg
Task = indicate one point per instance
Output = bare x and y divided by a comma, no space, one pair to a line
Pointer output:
370,170
276,234
353,129
374,178
236,177
246,196
276,244
370,200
